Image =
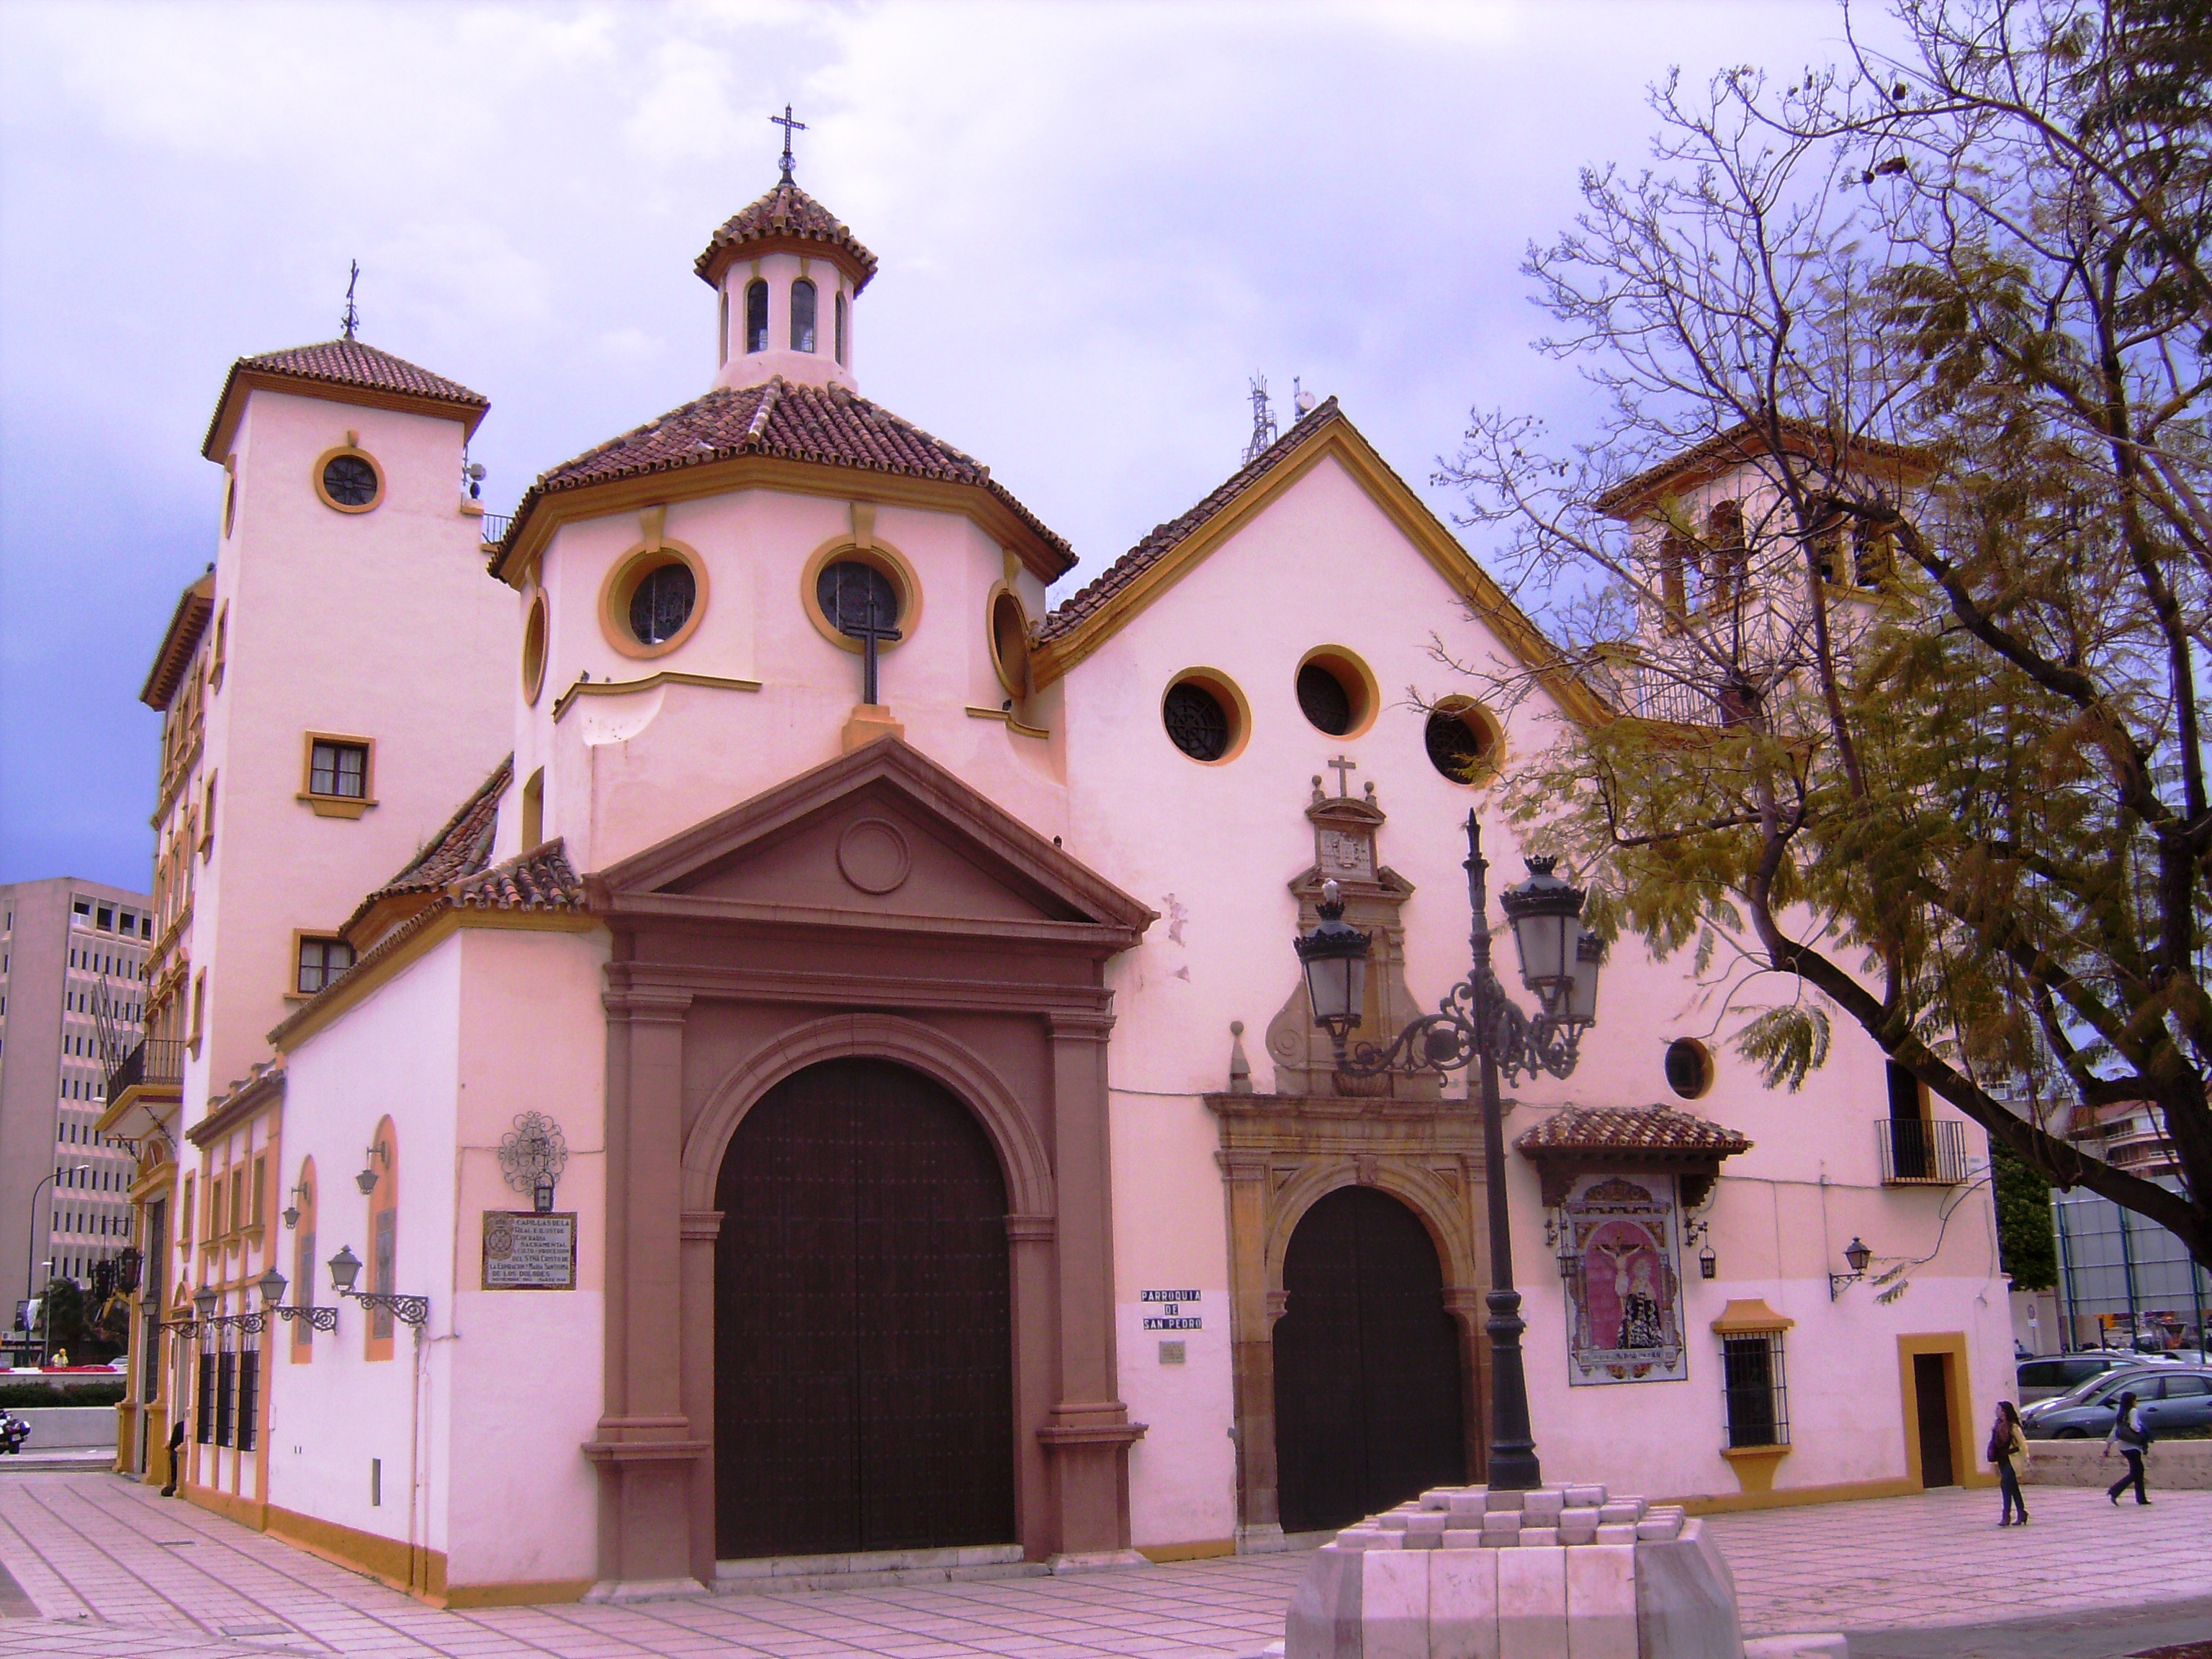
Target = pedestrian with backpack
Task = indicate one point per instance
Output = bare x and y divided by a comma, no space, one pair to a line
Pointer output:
2007,1456
2132,1435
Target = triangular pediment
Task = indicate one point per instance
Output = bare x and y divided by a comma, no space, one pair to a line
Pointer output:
1153,568
882,836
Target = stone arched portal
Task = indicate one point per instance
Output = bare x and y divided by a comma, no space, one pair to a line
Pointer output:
863,1337
1282,1154
742,952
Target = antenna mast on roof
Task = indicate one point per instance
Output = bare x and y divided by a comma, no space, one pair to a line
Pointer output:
1263,421
789,127
352,318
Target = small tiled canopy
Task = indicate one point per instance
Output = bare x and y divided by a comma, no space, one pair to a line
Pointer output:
1605,1139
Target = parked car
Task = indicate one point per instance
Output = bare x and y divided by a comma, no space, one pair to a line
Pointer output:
2173,1397
2045,1379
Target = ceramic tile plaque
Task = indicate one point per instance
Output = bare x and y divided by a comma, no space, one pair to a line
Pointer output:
1624,1294
523,1250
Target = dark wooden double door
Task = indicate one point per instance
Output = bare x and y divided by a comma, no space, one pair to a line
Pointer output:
863,1351
1368,1404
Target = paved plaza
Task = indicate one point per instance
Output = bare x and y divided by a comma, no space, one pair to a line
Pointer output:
100,1567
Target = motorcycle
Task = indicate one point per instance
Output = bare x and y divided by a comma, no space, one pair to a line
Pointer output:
14,1431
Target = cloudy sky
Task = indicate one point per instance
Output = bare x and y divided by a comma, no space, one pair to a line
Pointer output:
1094,221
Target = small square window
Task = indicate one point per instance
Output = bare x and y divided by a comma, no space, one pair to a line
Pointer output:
338,769
107,919
321,961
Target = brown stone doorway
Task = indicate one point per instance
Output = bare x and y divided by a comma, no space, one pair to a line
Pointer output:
1367,1384
863,1344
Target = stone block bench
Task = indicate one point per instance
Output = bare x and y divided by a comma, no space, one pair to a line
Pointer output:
1562,1573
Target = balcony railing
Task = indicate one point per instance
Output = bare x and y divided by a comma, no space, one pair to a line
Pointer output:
1918,1153
159,1061
496,527
1658,697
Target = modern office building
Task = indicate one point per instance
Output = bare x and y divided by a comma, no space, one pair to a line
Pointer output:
71,1001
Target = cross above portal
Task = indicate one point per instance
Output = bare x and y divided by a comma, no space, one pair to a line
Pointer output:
1341,765
789,127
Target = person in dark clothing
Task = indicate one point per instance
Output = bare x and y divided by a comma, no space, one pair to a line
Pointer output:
2009,1455
176,1457
2133,1439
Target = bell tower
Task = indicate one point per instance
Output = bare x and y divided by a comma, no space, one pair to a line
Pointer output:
787,276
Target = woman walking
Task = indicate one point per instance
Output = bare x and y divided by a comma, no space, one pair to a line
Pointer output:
2133,1439
2008,1453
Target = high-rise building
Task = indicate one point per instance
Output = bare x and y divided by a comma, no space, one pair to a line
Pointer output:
72,999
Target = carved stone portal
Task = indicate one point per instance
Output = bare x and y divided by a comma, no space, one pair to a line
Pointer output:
1345,852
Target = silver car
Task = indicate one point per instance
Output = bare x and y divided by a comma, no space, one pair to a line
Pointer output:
2045,1379
2173,1397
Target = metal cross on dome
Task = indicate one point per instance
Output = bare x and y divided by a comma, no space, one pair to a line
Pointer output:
789,127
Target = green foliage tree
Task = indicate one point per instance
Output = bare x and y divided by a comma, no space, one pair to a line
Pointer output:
1910,725
2027,1246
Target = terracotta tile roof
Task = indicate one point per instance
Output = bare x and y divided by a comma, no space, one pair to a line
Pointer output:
831,426
186,623
786,214
1165,538
347,365
461,848
1744,442
539,879
1658,1130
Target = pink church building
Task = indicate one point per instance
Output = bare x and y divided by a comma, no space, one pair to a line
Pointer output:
797,1036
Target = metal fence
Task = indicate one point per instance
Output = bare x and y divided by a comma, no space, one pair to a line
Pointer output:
1916,1153
2118,1270
496,527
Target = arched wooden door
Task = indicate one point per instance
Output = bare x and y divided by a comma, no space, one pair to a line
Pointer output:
1367,1364
863,1345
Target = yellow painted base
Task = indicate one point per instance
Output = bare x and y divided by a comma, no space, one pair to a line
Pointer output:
1754,1466
1204,1549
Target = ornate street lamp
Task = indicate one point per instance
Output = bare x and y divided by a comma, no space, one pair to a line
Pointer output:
345,1268
271,1285
1857,1255
1477,1026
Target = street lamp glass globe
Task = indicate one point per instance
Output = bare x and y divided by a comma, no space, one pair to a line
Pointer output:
1334,957
1546,917
345,1268
1857,1255
272,1285
1582,1001
205,1301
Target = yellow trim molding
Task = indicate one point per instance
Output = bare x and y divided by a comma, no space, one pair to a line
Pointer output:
337,807
1006,717
1338,439
878,555
1750,1316
972,502
1786,1496
373,973
1965,1460
1224,691
1205,1549
624,688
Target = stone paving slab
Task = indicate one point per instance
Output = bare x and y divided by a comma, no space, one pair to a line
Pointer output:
116,1571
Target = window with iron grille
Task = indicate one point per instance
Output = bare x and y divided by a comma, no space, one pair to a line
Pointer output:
226,1387
338,769
1757,1391
249,1395
205,1429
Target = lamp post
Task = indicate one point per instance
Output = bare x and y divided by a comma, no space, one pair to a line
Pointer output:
1477,1026
31,1255
1857,1255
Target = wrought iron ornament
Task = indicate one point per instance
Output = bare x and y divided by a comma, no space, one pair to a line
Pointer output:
789,127
533,1155
1476,1020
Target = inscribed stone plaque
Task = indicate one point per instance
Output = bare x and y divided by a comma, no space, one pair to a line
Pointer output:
526,1251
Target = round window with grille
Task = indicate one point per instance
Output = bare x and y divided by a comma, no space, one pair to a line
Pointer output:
1459,740
661,603
1689,1067
1325,700
856,597
1196,721
348,481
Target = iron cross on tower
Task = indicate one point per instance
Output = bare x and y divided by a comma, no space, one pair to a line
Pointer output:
869,630
789,127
